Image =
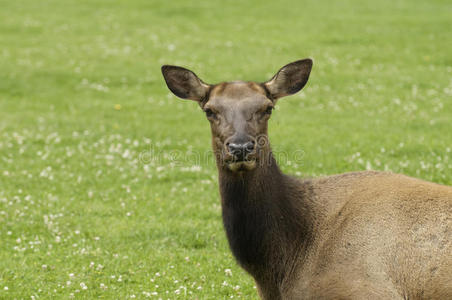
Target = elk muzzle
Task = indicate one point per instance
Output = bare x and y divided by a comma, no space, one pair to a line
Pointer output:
242,154
240,151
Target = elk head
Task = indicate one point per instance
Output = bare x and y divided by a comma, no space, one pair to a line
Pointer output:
238,111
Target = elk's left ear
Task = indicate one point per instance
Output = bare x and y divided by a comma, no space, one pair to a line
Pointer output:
290,79
184,83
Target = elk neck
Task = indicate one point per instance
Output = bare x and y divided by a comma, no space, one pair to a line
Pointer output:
265,219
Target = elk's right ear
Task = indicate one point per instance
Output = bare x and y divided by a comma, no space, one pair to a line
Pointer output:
184,83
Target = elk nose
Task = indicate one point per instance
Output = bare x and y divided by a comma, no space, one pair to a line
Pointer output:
241,150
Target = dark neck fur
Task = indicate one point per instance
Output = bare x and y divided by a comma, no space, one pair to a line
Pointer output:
265,220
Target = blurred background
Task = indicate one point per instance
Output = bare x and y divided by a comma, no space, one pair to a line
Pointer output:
107,186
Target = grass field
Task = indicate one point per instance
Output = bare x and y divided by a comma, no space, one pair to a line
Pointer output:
107,188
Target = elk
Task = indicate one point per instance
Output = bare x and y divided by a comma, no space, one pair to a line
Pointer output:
359,235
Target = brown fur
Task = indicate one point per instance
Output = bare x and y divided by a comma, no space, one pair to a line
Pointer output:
363,235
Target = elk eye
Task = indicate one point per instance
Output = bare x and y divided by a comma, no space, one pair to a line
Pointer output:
268,111
209,113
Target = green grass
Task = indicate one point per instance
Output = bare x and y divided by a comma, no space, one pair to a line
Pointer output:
106,197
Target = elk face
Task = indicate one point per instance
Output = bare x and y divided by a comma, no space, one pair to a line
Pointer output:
238,112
